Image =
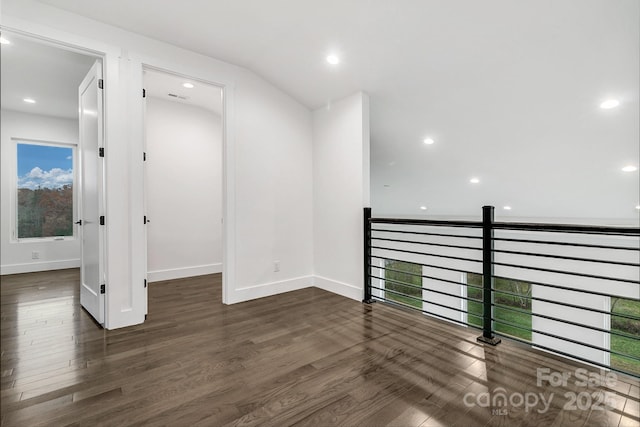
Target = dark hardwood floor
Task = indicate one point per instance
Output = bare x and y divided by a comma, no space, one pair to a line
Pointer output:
301,358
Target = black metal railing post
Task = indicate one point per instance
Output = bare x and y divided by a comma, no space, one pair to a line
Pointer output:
487,276
368,299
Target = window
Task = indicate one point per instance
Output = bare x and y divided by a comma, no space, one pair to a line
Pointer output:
45,187
512,310
625,319
405,278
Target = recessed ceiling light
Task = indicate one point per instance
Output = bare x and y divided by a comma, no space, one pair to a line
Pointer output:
424,208
333,60
506,208
29,100
428,141
629,168
638,207
474,180
610,103
4,41
188,85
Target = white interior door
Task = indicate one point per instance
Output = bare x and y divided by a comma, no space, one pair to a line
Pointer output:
92,291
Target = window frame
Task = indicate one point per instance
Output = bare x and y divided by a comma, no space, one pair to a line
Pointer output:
14,189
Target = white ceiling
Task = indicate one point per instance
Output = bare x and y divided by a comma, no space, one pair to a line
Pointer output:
508,89
47,74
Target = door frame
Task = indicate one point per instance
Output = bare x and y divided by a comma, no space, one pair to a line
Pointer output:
146,67
228,157
109,56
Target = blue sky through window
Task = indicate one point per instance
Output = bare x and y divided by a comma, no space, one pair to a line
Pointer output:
44,166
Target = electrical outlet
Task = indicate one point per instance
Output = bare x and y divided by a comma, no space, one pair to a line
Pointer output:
35,255
276,266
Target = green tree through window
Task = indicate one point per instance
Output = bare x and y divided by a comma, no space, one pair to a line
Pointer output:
513,305
45,181
403,277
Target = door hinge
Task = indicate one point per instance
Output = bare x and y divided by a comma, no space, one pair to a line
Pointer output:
101,219
102,289
101,151
100,84
144,157
145,283
144,219
144,93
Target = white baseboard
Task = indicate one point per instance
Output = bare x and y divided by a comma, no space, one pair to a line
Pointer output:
339,288
32,267
268,289
181,273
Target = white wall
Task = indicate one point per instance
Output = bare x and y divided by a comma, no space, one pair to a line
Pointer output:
184,190
272,192
268,163
16,256
340,187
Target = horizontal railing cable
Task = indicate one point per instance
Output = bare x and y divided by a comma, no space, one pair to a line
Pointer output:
439,279
572,273
423,233
560,352
421,310
419,299
565,288
568,228
560,337
427,254
566,304
428,290
432,222
431,266
576,244
426,243
568,322
568,258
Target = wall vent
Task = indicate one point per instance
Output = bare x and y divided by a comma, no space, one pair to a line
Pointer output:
173,95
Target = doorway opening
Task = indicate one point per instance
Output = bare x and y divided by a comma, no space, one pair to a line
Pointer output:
183,125
52,177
